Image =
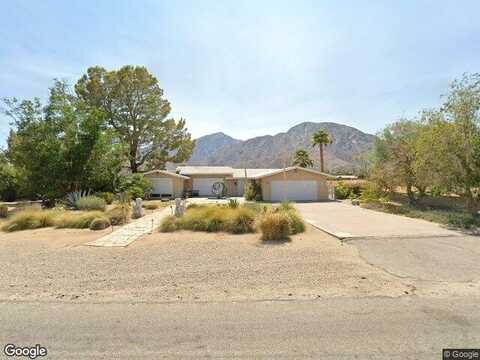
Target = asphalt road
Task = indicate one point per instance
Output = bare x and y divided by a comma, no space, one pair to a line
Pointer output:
408,327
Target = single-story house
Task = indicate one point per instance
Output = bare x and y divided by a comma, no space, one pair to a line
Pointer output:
292,183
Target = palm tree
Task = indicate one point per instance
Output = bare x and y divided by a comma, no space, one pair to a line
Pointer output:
302,159
321,139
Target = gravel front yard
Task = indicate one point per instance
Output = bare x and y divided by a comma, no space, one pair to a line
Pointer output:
53,265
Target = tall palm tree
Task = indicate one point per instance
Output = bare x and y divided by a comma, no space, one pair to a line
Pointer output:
302,159
321,139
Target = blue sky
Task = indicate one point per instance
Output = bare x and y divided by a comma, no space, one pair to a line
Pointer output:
250,68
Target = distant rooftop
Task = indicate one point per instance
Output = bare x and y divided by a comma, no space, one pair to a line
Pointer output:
221,170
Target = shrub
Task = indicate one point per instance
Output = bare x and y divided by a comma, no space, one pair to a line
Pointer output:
341,191
372,193
72,198
3,211
241,221
297,225
120,214
461,220
136,185
233,203
77,220
91,203
30,219
99,223
107,196
286,206
253,191
169,224
275,226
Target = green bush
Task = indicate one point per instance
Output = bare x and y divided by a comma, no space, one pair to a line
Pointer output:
286,206
3,211
297,225
253,191
169,224
372,193
99,223
77,220
120,214
462,220
241,221
30,219
136,185
275,226
341,191
107,196
91,203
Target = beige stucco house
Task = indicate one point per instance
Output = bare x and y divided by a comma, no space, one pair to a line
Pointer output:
292,183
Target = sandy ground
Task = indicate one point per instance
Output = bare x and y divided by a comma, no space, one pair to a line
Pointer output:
53,265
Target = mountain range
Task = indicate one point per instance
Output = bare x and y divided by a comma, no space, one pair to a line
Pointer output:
274,151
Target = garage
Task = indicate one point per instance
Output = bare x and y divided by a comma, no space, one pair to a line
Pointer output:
204,185
294,190
162,186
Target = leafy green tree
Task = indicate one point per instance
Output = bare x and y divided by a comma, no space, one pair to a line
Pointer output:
321,139
302,159
61,147
132,103
9,182
450,145
395,156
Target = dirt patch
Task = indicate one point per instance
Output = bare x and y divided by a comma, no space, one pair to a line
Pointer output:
49,264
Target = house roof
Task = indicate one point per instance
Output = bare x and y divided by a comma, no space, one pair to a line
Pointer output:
240,173
204,170
278,171
165,172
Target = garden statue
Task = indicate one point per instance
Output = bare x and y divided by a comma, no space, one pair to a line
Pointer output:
137,209
179,207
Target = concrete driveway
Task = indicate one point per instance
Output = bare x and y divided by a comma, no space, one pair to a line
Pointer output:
350,222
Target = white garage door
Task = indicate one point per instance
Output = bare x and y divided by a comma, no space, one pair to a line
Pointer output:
300,190
162,186
204,186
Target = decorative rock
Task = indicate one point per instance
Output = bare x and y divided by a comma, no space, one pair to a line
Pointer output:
137,209
355,202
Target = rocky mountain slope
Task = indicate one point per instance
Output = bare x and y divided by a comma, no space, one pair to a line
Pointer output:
275,151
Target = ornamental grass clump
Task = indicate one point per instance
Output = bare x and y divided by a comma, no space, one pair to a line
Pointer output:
91,203
212,219
77,219
3,211
275,226
30,219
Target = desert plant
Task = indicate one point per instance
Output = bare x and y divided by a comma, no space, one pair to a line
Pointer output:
286,206
274,226
107,196
30,219
169,224
241,221
253,191
99,223
77,220
91,203
233,203
120,214
297,225
72,198
3,211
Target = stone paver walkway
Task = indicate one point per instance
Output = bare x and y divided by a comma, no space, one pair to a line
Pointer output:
127,234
